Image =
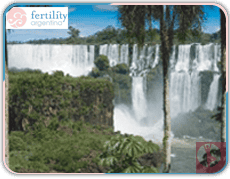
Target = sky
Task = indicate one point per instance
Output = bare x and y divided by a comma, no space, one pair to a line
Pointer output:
90,19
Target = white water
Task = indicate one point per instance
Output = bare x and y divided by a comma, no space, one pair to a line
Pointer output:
185,88
124,54
126,121
185,94
212,95
156,60
113,54
139,98
73,59
183,58
143,60
185,79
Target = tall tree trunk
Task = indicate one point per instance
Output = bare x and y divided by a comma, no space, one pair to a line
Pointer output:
223,71
166,104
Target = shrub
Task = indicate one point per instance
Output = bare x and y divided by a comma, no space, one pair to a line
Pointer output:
121,68
102,62
122,153
58,73
95,72
16,143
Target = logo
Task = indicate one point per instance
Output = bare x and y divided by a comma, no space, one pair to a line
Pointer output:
37,18
210,156
16,17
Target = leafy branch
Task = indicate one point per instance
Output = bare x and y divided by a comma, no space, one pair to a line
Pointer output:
121,154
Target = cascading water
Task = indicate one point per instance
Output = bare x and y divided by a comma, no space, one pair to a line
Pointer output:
156,60
134,61
113,54
73,59
124,54
185,78
212,95
103,49
139,98
186,64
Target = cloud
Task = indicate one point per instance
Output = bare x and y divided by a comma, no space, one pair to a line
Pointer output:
210,28
106,7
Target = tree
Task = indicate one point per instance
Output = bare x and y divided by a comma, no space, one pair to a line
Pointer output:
73,32
102,62
223,71
182,18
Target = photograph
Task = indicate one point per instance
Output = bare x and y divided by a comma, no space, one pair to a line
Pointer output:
97,88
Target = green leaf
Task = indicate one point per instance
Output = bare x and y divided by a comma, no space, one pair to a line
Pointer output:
150,170
134,168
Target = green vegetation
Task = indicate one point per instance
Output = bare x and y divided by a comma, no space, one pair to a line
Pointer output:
121,68
95,72
119,77
37,98
122,153
102,62
122,87
60,124
111,35
76,147
61,147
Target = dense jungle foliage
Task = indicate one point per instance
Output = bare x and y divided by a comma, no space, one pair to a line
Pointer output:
48,134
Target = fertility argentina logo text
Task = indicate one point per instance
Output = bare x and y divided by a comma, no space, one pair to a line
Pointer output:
37,18
16,17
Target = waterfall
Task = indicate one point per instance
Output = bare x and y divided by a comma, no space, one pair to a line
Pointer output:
91,55
73,59
181,82
217,55
212,95
124,54
112,52
207,57
189,66
133,67
186,64
139,98
103,50
142,59
156,60
183,60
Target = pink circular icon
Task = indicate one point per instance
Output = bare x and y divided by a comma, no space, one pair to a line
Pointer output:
16,17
